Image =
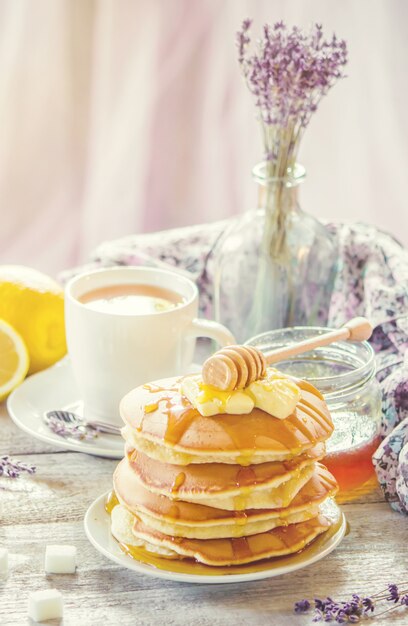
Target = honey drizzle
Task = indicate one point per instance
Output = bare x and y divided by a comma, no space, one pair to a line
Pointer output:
180,413
180,416
178,482
241,517
111,502
241,500
245,459
240,547
246,476
317,417
322,419
174,512
302,427
153,388
308,387
150,408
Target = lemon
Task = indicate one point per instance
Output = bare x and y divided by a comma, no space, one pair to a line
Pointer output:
14,359
33,304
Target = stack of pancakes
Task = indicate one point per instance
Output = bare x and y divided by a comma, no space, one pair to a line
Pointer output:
223,490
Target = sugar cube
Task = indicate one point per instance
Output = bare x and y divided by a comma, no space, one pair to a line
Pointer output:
3,561
60,559
45,604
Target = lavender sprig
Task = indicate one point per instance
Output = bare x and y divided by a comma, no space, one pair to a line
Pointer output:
12,468
73,431
355,609
288,73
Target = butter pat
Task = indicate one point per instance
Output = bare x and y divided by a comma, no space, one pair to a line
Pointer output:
3,562
239,403
278,397
275,394
211,401
60,559
46,604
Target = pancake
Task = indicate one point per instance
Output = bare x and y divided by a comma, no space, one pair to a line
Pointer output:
163,424
220,552
226,486
122,529
197,521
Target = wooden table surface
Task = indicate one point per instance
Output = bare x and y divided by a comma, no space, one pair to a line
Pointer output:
49,508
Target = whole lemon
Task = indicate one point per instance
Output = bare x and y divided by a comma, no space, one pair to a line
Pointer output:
33,304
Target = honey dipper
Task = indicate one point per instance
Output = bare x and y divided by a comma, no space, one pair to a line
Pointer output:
235,367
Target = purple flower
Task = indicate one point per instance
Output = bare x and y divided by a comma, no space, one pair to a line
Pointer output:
302,606
358,607
288,73
322,605
368,605
12,468
243,39
73,431
394,594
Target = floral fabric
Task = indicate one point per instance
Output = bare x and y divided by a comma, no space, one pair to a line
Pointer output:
391,465
372,280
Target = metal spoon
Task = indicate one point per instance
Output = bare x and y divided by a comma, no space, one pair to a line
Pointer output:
70,419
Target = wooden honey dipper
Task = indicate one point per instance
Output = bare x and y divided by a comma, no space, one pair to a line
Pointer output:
236,367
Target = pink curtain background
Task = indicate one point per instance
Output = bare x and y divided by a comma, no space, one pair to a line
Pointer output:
126,116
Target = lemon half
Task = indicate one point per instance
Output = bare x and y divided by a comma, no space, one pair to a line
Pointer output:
14,360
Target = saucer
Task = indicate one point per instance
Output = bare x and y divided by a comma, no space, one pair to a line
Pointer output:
55,388
97,529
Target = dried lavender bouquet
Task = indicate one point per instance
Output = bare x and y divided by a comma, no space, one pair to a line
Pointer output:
288,75
288,71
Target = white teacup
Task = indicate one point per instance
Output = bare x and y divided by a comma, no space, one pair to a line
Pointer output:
111,352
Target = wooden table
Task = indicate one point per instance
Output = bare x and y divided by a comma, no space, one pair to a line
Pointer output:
49,508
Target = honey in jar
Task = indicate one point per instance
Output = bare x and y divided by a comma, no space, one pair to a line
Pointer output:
344,372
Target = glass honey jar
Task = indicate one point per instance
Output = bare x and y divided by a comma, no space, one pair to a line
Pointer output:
344,372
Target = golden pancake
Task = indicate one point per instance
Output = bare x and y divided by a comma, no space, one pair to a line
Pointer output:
221,552
163,424
122,522
227,486
185,519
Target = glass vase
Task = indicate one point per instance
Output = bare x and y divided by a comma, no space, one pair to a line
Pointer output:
275,265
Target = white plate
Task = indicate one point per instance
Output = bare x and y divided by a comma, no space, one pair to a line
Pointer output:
97,528
55,388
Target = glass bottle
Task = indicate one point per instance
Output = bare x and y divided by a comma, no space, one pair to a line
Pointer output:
275,265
